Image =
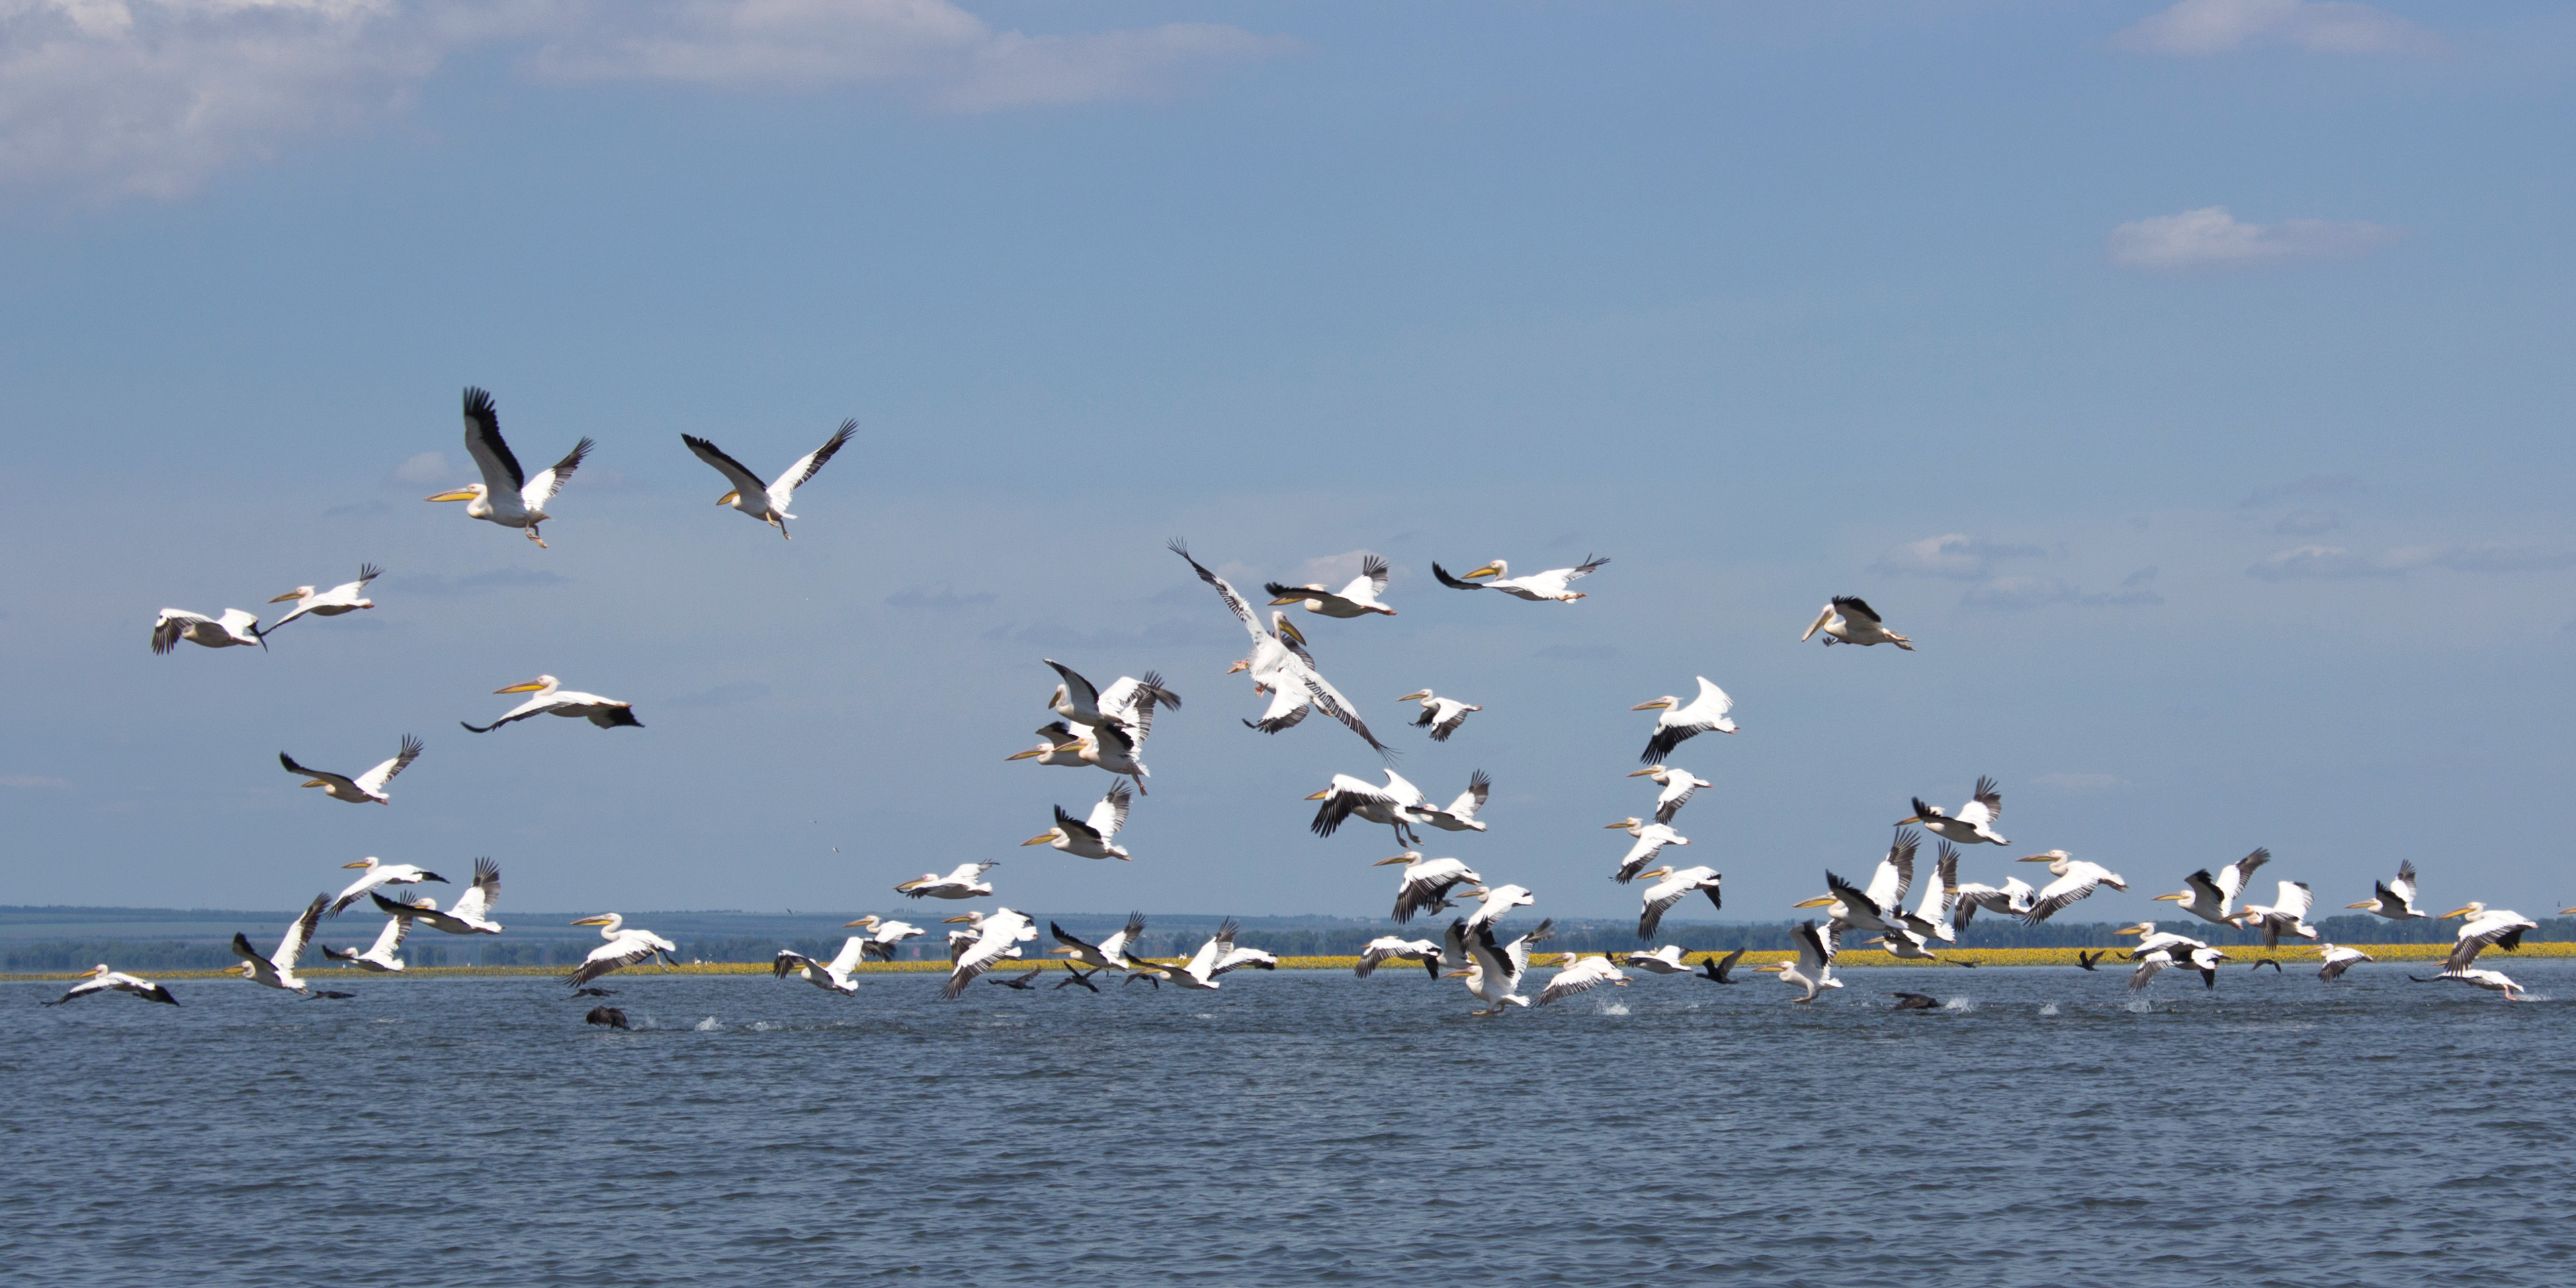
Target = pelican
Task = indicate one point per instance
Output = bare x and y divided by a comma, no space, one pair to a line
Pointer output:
347,597
2483,929
2075,879
626,946
1078,701
1493,970
1881,906
2395,900
506,496
1974,822
1387,948
965,882
472,913
379,873
1681,721
1497,901
1850,620
1391,804
2287,914
549,697
1357,599
234,628
1215,957
1108,952
2338,959
1111,745
1282,668
1714,968
380,956
2491,980
1651,840
1667,960
2213,898
1580,974
2152,940
1058,744
2011,899
1673,886
1814,968
1461,814
884,935
2204,959
768,502
277,970
1907,944
1677,784
1426,883
1551,584
369,786
1931,917
1440,715
1089,838
833,975
101,980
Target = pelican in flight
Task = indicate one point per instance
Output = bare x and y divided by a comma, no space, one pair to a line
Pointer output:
1426,883
2152,940
1581,974
1461,814
1814,968
1677,784
234,628
1116,742
2395,900
834,975
1671,887
1079,701
1974,822
1671,959
2484,928
1494,902
1931,916
965,882
1681,721
1109,952
1281,667
2338,959
2213,898
1215,957
1494,969
626,946
1651,840
347,597
277,970
1440,715
102,980
768,502
2286,915
549,697
884,935
1387,948
1907,944
2011,899
506,496
1552,584
1881,906
1391,804
2204,959
1850,620
1058,744
2075,879
379,873
472,914
2494,981
1357,599
369,786
1090,838
380,956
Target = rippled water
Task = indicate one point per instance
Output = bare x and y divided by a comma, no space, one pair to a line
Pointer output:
1297,1127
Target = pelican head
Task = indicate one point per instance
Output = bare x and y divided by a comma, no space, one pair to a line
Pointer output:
729,498
1622,825
1416,696
300,592
2184,896
98,970
1047,837
367,862
869,921
1665,871
541,684
1819,624
2469,911
2052,858
469,492
1321,795
1495,569
609,920
1408,858
1668,700
1285,629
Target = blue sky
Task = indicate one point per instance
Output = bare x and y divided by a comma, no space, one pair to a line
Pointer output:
2189,381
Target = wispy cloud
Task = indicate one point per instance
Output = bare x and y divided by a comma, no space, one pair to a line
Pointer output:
2339,563
476,583
723,695
1329,570
2201,27
425,470
26,782
2211,239
2305,523
1956,555
942,597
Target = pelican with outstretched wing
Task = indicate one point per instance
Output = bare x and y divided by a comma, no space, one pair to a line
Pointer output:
347,597
507,496
1850,620
102,980
234,629
768,502
1555,583
1684,720
1358,599
472,914
1090,838
547,696
369,786
277,969
1281,666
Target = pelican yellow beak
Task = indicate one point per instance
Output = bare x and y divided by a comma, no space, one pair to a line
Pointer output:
2130,930
2366,903
1455,974
316,783
359,864
1650,769
1914,818
869,920
1290,630
1487,571
592,921
292,594
2455,912
1401,858
1075,745
1817,902
2184,895
1415,696
1321,795
910,884
946,920
1285,600
2027,858
1039,840
1033,751
1650,706
729,498
529,686
1621,826
461,494
1665,871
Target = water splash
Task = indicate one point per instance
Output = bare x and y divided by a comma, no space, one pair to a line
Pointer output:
710,1025
1613,1008
1958,1004
2138,1006
2050,1009
761,1026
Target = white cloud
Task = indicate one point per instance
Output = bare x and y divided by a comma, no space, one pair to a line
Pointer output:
1329,570
1955,555
2336,562
428,467
2211,238
2228,26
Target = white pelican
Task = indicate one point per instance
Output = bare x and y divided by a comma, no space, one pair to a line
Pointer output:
1850,620
369,786
1426,883
2213,898
1931,916
1580,974
1058,744
1090,838
1681,721
379,873
626,946
884,935
2075,879
1387,948
1078,701
1496,901
1667,960
235,627
2485,928
834,975
1282,668
1677,784
2287,914
1881,906
2152,940
2011,899
1112,951
277,970
2338,959
1674,886
2492,980
1814,968
506,496
472,914
1975,820
1461,814
1358,599
1215,957
1391,804
1115,742
1906,944
1440,715
2204,959
549,697
965,882
1551,584
379,956
1494,970
2395,900
768,502
101,980
347,597
1651,840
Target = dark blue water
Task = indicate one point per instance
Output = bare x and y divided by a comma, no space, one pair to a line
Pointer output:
1297,1127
